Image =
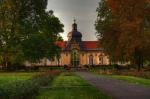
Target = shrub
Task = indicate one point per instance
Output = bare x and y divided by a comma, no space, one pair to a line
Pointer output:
47,68
19,90
24,89
89,66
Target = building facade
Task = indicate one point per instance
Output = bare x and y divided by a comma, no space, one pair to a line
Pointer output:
76,52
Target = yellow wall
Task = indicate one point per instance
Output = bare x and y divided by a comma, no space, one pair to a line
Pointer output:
84,59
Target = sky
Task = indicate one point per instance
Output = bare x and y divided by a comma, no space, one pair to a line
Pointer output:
84,11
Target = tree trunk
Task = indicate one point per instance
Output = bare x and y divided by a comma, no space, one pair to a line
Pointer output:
138,59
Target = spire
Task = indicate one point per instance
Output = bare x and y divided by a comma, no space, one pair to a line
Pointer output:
74,20
74,25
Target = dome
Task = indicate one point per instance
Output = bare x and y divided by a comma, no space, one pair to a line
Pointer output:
74,34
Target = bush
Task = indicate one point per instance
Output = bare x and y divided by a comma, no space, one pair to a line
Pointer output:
18,67
24,89
89,66
46,68
32,68
103,67
19,90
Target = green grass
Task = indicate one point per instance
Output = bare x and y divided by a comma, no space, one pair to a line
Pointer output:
132,79
6,77
71,86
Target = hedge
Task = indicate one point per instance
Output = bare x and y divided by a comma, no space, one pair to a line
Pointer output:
24,89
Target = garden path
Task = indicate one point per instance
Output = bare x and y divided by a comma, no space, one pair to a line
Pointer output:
116,88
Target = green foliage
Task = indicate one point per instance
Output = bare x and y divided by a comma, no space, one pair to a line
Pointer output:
104,18
24,89
27,31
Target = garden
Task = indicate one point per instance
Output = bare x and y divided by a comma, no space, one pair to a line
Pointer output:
53,84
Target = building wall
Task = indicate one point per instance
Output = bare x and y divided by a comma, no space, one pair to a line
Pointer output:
65,59
84,58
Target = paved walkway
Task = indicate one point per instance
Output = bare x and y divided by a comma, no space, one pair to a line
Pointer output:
116,88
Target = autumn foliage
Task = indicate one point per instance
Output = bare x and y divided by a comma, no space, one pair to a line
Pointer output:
127,36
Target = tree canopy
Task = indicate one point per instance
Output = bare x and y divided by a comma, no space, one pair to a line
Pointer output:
27,31
123,28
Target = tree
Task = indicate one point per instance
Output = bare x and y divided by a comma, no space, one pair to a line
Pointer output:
25,22
107,30
9,29
130,26
42,44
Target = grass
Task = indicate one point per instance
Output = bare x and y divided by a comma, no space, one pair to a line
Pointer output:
71,86
132,79
6,77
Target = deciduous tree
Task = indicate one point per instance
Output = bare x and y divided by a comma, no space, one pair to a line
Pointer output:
26,28
129,29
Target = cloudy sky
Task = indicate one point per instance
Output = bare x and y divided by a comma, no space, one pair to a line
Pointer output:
84,11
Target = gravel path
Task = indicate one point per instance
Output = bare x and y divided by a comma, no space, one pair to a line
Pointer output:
116,88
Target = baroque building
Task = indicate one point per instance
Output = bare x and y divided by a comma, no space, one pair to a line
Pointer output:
76,52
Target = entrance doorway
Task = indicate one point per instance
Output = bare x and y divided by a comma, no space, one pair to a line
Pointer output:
75,58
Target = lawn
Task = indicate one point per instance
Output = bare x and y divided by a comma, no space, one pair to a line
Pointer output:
128,78
132,79
6,77
71,86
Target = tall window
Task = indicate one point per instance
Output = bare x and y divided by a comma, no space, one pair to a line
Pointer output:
101,60
91,60
58,61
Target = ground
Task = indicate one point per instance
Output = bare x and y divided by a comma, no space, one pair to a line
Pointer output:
86,85
71,86
116,88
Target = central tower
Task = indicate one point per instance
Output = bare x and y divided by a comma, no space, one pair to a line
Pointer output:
74,45
74,35
74,38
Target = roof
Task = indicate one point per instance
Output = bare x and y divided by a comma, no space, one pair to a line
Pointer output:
61,44
88,45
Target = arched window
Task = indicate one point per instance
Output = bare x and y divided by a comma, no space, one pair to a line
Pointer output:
101,60
91,60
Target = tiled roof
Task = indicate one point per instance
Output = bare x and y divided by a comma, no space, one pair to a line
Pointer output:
88,45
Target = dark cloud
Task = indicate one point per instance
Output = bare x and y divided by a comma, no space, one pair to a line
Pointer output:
83,10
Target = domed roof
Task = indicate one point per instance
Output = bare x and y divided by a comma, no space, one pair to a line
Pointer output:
74,33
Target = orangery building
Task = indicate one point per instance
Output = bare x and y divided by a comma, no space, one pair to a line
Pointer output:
76,52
